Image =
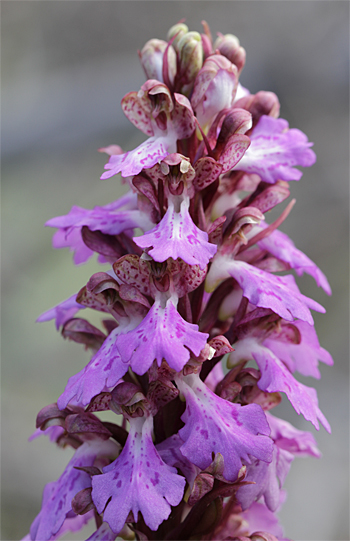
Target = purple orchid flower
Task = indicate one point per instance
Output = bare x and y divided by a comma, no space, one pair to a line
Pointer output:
215,425
275,377
263,289
281,246
177,236
275,150
260,518
112,219
57,497
138,480
165,124
266,480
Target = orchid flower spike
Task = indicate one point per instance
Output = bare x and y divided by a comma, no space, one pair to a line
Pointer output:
189,449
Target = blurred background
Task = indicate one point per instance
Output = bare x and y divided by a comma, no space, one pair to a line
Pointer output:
65,68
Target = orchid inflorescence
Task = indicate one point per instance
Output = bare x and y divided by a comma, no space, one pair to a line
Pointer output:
194,452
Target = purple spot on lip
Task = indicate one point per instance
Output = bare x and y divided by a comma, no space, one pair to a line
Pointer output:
156,480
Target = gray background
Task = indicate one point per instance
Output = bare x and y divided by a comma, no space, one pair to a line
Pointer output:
65,67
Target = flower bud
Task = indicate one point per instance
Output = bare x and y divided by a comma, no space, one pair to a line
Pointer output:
128,399
191,59
151,58
178,30
229,46
261,103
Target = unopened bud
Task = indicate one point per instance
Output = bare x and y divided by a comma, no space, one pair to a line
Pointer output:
229,46
178,30
191,58
151,58
262,103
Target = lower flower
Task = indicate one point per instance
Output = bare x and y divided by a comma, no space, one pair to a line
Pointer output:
137,481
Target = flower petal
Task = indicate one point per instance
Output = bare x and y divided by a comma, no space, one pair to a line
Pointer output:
279,293
138,480
162,334
111,219
144,156
304,356
281,246
275,376
58,495
214,425
267,480
286,436
103,533
62,312
169,451
177,236
104,371
275,149
260,518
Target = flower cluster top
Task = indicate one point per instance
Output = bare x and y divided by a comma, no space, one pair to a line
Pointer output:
192,280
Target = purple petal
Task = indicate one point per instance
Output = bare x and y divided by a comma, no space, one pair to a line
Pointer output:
112,219
71,238
67,220
104,371
275,149
261,519
286,436
275,377
215,376
79,216
58,495
53,432
162,334
214,425
169,451
104,533
279,293
62,312
281,246
138,480
73,524
144,156
301,357
177,236
267,480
